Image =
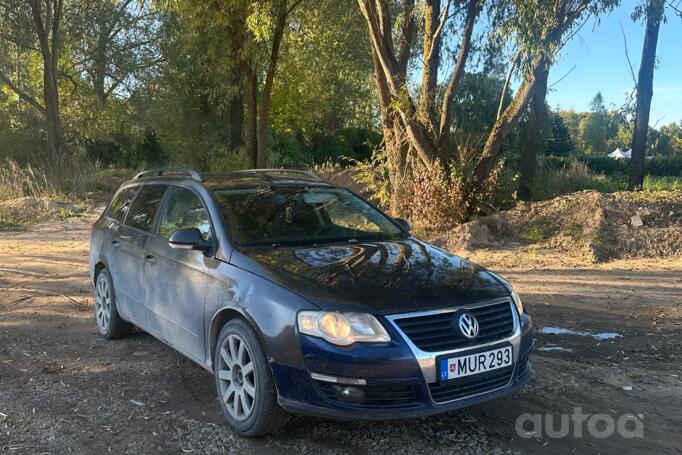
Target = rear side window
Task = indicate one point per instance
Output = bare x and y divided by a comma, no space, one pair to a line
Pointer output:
144,208
184,210
121,203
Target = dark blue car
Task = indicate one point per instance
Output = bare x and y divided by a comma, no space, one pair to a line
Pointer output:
300,296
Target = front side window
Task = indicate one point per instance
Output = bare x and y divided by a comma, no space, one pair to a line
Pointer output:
121,203
184,210
144,208
296,215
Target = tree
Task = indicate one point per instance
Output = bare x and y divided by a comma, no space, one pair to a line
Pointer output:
560,142
645,81
36,27
593,127
537,115
117,40
420,120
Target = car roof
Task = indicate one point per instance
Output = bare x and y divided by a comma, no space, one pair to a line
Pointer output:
249,178
259,178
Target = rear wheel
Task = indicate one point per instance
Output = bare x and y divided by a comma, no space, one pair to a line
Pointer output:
109,323
246,389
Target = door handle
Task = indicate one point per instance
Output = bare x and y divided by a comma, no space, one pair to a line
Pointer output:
115,243
151,259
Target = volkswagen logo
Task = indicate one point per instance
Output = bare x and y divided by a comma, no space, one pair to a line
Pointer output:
468,325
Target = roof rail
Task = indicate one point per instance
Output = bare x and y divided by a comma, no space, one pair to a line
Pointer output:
283,172
169,171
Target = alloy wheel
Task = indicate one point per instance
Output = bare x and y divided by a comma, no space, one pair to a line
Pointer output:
103,304
236,377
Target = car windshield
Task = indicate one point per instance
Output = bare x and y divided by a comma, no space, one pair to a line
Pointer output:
298,215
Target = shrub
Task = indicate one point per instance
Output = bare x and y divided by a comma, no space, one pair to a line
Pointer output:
434,202
551,182
665,166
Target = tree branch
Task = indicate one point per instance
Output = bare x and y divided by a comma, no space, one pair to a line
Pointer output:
23,95
407,37
627,56
473,10
505,87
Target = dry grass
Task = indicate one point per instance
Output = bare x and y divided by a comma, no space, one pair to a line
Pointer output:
32,193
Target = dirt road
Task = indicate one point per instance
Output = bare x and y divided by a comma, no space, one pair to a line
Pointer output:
63,389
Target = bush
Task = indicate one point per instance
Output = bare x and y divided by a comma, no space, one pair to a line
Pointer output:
128,151
665,166
660,166
435,202
551,182
605,165
347,144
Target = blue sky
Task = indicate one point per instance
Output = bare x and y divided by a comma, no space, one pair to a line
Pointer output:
598,53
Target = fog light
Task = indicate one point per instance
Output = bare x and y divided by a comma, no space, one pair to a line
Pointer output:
349,394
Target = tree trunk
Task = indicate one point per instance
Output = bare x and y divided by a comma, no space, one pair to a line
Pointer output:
473,10
264,108
396,144
645,81
431,59
536,120
477,185
252,114
236,120
48,30
52,116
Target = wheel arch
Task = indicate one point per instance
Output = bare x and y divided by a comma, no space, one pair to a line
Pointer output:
98,268
222,317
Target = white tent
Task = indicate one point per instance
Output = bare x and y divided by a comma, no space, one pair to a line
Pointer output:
618,154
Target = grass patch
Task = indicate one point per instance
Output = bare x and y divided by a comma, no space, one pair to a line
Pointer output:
65,213
70,181
538,230
7,222
653,183
551,182
573,229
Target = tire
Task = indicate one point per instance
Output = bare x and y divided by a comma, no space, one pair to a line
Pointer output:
249,379
109,324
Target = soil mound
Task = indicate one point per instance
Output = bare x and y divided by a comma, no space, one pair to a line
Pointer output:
597,225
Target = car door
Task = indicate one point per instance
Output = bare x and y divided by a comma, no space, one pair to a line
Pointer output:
130,241
176,278
117,251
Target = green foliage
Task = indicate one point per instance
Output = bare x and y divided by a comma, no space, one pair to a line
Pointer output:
373,174
593,127
559,142
551,182
657,166
539,230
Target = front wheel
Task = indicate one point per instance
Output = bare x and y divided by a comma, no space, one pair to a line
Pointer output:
246,389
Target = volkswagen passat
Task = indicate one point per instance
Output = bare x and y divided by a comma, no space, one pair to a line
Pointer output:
300,296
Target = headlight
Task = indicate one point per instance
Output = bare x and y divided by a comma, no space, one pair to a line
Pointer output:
342,329
517,300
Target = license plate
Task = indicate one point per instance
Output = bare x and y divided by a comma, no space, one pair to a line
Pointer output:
467,365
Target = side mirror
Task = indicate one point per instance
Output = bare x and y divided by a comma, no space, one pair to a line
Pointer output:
404,224
189,239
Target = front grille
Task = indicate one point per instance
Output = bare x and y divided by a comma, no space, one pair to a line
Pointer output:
439,332
375,395
473,385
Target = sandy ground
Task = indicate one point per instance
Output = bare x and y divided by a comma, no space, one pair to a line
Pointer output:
63,389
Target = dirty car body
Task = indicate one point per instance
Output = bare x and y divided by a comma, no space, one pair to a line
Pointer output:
359,320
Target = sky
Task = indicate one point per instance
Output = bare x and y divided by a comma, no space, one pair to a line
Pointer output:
598,53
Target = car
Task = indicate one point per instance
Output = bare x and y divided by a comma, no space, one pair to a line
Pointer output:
302,297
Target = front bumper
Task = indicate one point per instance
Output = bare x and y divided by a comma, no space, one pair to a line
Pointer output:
398,380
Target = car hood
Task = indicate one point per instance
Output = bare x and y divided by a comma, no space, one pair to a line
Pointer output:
376,277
